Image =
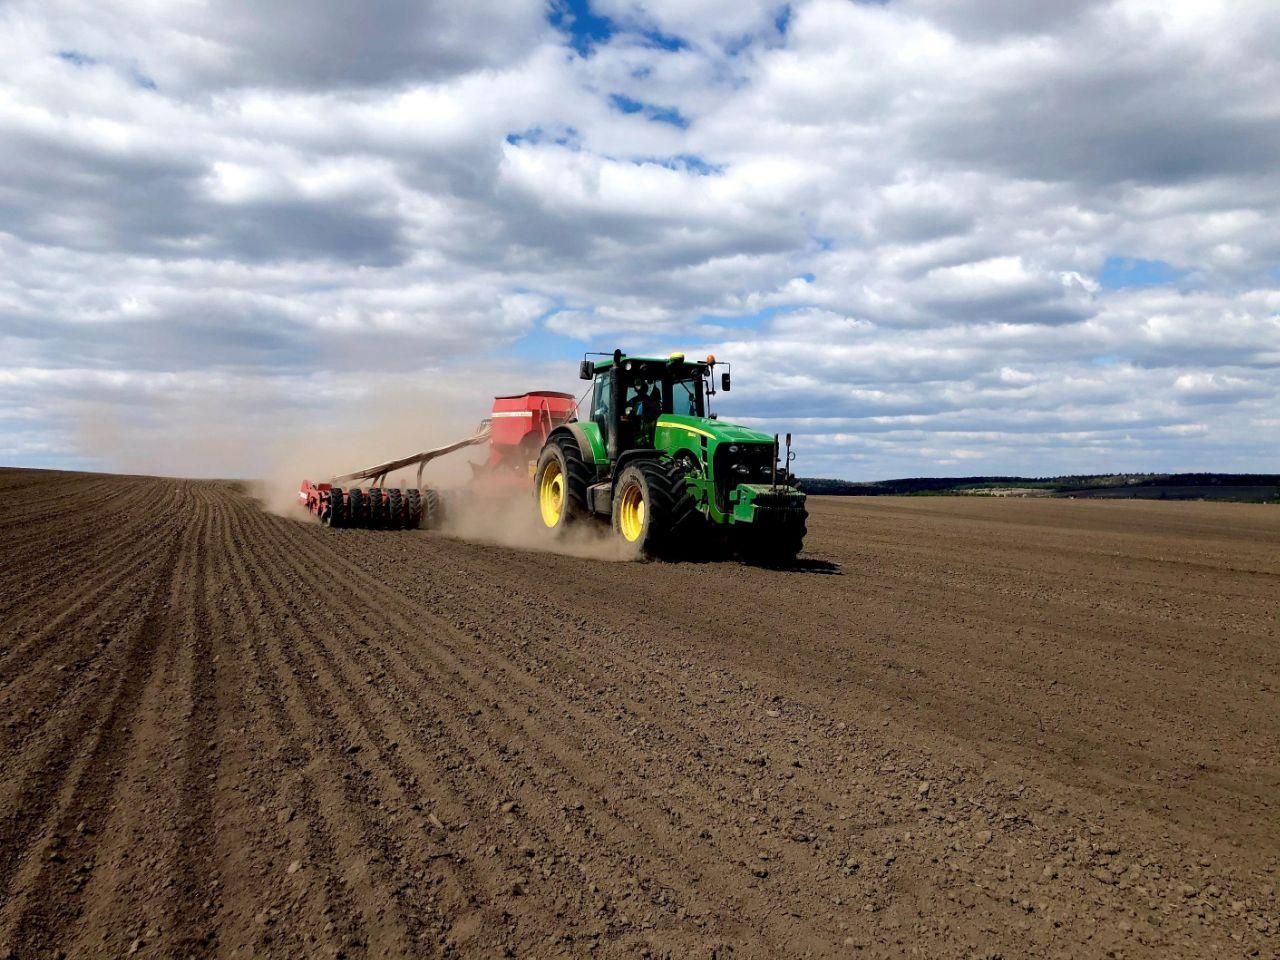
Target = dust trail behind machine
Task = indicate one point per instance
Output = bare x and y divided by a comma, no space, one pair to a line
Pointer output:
515,431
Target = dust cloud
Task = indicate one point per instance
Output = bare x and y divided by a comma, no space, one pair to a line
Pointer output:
274,443
513,521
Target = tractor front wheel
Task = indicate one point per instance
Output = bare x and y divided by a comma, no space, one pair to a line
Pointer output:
652,509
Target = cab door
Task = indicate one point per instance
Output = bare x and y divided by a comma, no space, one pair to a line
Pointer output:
601,399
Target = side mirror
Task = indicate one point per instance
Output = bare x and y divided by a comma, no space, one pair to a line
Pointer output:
724,381
586,370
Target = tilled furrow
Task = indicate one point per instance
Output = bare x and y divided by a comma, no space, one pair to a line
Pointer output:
344,821
273,811
126,885
345,704
189,903
66,794
669,824
493,757
47,704
48,619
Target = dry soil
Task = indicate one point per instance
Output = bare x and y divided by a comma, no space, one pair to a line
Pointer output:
962,728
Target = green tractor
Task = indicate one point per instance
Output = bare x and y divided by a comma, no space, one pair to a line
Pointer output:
656,463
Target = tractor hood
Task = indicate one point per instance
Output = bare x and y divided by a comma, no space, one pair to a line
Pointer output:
716,430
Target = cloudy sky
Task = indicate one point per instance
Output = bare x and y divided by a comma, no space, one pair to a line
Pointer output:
933,236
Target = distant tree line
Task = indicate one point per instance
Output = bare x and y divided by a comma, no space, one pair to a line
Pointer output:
1208,486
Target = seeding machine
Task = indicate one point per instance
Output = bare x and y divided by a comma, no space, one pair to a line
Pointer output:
515,431
651,460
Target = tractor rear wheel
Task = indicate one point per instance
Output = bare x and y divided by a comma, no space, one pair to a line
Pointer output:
560,485
653,510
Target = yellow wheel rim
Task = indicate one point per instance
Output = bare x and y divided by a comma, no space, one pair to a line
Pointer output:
551,494
631,513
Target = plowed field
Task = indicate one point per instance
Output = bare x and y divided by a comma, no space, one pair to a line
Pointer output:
963,728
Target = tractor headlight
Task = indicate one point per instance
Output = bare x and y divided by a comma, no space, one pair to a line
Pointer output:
733,448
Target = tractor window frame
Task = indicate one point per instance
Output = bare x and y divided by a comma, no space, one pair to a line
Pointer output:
601,399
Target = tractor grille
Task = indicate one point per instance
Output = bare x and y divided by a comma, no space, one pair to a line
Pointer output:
737,463
744,463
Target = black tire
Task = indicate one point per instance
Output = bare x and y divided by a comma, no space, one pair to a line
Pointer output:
337,511
395,509
412,509
670,515
355,508
432,510
377,506
562,456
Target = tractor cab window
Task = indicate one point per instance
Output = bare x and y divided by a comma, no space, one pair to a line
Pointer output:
644,399
640,411
686,397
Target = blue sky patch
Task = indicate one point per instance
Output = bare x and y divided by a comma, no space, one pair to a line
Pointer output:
663,41
688,162
782,19
585,29
566,137
1121,272
745,321
657,114
543,344
575,19
76,58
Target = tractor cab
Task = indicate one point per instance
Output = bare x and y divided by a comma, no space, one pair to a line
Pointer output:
631,393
